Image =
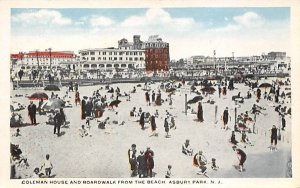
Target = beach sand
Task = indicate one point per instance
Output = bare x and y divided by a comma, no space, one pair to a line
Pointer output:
104,153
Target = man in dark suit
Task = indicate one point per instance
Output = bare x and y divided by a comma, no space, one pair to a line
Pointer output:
32,112
58,121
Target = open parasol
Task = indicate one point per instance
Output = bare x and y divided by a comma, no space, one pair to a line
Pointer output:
114,103
51,88
38,96
209,90
195,99
54,104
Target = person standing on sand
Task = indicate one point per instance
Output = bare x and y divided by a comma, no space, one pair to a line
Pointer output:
77,98
200,112
32,113
241,155
142,120
153,97
166,126
83,108
147,96
58,121
274,137
132,159
150,164
153,125
40,106
225,118
141,164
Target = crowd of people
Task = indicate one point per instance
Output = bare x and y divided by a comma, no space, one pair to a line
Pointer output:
108,98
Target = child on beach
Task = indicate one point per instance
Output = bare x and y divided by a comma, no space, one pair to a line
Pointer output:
213,164
47,165
168,172
83,132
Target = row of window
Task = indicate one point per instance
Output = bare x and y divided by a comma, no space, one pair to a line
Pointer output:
107,65
157,56
112,53
114,59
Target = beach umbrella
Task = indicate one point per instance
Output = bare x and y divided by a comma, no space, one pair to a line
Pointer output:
54,104
195,99
114,103
209,90
51,88
265,85
38,96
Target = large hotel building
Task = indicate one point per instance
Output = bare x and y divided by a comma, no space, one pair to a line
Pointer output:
151,55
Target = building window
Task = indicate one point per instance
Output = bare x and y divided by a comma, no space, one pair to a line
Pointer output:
99,53
101,65
99,58
136,59
115,53
126,58
130,53
86,66
123,65
130,59
94,66
141,58
141,53
116,65
120,58
127,53
120,53
115,58
110,58
108,65
92,58
104,58
110,53
104,53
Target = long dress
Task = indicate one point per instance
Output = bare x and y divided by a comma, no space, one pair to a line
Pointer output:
153,124
225,117
142,120
200,113
83,109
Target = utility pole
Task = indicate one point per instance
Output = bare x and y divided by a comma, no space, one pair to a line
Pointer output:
50,57
37,58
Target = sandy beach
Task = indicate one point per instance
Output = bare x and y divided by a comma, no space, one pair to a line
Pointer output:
103,154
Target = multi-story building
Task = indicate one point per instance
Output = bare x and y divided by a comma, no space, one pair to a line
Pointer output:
157,54
41,59
152,55
111,58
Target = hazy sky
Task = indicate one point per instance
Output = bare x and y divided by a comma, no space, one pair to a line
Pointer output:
189,31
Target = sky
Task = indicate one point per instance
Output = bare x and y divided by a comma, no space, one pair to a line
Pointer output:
189,31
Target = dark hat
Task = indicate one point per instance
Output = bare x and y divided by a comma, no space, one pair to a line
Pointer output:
133,145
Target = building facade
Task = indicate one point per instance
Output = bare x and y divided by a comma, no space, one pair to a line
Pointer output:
111,58
157,54
152,55
43,60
